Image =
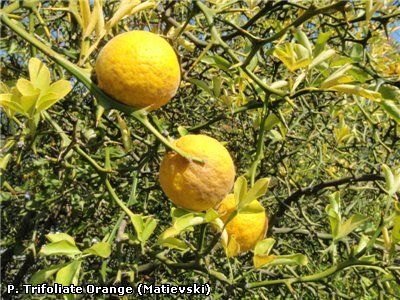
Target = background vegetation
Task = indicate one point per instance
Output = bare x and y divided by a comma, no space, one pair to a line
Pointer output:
305,93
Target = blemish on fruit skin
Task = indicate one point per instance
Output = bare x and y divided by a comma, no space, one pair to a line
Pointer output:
197,186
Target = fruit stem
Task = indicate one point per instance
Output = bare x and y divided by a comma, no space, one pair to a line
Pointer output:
104,100
146,123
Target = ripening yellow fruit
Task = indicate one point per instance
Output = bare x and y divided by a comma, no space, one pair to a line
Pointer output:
197,186
139,69
247,227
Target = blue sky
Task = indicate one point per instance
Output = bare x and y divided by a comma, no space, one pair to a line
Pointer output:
396,34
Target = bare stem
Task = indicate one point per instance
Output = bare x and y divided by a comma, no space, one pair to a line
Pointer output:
131,199
91,161
117,200
274,220
260,146
351,262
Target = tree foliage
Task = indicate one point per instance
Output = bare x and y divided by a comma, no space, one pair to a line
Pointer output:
304,94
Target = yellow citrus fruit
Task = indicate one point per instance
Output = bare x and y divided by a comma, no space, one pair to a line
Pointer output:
247,227
139,69
197,186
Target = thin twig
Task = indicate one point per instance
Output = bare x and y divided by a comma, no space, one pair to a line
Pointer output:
312,190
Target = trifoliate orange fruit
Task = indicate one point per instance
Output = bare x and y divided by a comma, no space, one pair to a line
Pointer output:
248,226
139,69
197,186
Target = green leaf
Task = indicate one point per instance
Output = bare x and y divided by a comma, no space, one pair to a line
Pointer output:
93,20
342,132
168,233
128,8
392,179
279,84
350,225
174,243
46,101
137,222
275,136
371,8
26,88
56,237
62,247
337,77
287,260
43,275
322,57
323,37
39,74
293,56
211,215
182,222
201,84
361,244
369,11
262,257
28,103
148,230
240,189
262,260
69,274
188,220
298,80
125,133
4,161
217,83
177,212
271,121
253,207
356,90
233,247
389,92
333,212
264,247
253,63
389,178
302,55
221,62
61,88
359,75
217,61
396,224
98,14
341,61
101,249
301,37
357,52
391,108
182,131
9,101
259,188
